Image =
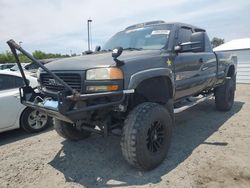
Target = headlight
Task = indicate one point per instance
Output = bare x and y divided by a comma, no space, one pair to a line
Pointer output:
104,74
99,75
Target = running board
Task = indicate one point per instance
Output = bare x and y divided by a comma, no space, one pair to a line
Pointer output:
191,104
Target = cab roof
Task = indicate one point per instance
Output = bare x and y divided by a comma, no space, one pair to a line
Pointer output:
160,22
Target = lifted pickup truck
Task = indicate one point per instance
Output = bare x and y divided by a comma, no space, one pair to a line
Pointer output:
136,82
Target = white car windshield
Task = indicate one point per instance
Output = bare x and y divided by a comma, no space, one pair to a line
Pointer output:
16,68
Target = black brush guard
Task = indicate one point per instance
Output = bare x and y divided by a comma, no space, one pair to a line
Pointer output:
63,107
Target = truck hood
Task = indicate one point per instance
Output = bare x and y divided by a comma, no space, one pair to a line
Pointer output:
98,60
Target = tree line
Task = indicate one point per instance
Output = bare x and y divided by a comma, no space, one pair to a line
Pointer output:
7,57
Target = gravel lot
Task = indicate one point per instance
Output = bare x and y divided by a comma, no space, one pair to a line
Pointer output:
209,149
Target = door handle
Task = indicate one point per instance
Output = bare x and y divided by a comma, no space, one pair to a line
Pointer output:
204,68
201,60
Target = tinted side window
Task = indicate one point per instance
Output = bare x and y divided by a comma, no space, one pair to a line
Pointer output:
9,66
19,82
184,35
10,82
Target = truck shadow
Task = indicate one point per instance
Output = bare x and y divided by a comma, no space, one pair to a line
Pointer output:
98,162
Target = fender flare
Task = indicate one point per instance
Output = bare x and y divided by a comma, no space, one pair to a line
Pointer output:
228,67
140,76
233,62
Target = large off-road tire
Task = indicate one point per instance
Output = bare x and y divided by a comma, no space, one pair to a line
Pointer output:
33,121
146,135
68,131
224,95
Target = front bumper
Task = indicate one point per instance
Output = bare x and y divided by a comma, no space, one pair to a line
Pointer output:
65,106
69,105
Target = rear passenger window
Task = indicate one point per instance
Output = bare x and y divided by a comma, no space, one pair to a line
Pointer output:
10,82
184,35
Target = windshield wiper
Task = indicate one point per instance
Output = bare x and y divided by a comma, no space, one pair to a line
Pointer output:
131,48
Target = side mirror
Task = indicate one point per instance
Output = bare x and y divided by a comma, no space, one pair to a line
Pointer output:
196,44
97,48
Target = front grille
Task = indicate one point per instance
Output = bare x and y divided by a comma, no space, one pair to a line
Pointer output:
72,79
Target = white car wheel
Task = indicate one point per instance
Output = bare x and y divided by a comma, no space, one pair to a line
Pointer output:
37,119
34,120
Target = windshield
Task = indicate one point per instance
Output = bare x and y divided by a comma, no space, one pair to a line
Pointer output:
148,38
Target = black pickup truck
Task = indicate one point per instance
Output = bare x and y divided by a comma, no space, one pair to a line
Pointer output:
135,83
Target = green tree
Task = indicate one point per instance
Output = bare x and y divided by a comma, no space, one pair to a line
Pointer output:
7,57
217,42
39,54
2,58
23,58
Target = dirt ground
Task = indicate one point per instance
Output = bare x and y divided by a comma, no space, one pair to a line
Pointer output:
209,149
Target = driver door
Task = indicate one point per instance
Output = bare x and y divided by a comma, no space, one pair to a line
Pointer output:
187,67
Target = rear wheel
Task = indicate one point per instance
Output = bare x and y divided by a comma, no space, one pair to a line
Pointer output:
224,95
68,131
146,135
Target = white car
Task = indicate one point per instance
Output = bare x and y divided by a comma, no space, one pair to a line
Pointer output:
12,113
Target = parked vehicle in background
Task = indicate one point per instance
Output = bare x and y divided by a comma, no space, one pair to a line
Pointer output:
32,67
156,69
15,67
12,113
6,66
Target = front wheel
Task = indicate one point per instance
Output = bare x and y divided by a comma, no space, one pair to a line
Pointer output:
33,121
68,131
146,135
224,95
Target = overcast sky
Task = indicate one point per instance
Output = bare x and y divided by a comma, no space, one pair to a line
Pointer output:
60,25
